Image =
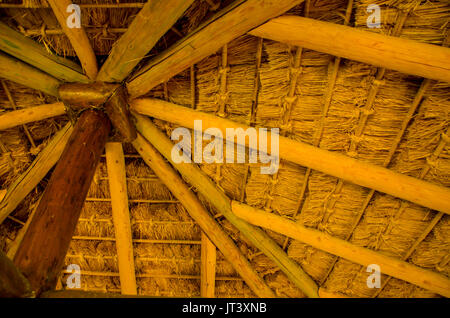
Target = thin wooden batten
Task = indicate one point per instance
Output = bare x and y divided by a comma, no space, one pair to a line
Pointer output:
197,178
359,255
198,212
27,50
31,114
19,72
38,169
115,163
77,37
151,23
228,24
403,55
332,163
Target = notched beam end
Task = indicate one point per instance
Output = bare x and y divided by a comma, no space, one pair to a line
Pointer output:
119,113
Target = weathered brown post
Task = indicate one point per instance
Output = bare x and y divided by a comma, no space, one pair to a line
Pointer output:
41,254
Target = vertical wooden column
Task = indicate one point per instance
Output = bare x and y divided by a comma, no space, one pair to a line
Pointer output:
115,163
44,246
208,268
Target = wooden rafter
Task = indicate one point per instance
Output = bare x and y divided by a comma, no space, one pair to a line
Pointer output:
207,268
197,178
77,37
31,114
12,281
152,22
198,212
13,69
30,52
115,163
331,163
228,24
40,256
360,255
406,56
39,168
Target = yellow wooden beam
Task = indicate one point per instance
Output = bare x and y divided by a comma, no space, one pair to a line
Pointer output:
208,268
332,163
388,265
77,37
403,55
151,23
115,163
203,218
197,178
228,24
30,114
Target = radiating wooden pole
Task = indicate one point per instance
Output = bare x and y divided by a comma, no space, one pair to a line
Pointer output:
19,72
208,268
149,25
197,178
115,163
21,47
203,218
332,163
233,21
403,55
31,114
388,265
44,246
77,37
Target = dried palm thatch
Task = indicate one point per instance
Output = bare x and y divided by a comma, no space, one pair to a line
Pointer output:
336,104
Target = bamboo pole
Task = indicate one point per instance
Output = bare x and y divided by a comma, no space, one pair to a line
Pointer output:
29,51
77,37
332,163
17,71
41,254
390,266
403,55
31,114
197,178
115,163
151,23
208,268
228,24
28,180
12,282
198,212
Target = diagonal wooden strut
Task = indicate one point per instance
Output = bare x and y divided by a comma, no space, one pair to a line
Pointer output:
41,253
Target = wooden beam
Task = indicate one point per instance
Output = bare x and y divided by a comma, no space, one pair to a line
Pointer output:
197,178
30,114
390,266
115,163
203,218
403,55
41,255
208,268
19,72
151,23
30,52
118,112
12,282
80,96
332,163
77,37
38,169
228,24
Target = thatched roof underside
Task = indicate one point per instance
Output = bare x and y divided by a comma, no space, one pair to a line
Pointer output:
167,241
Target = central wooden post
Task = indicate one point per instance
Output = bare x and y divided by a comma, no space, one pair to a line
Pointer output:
41,254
